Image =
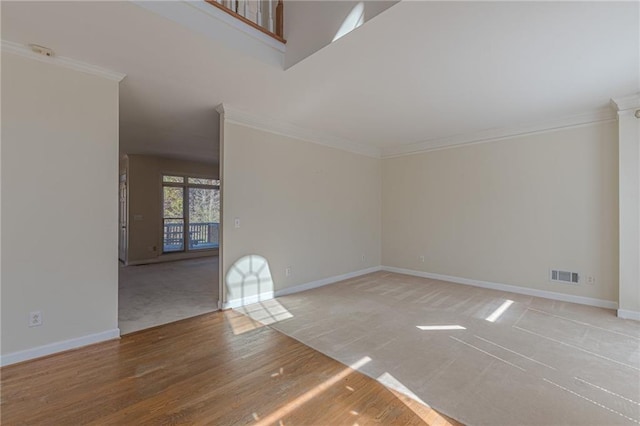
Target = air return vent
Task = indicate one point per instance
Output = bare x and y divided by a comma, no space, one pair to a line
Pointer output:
564,276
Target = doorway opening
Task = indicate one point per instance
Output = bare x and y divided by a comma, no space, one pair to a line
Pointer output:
169,240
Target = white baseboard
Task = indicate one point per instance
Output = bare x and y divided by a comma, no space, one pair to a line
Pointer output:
627,314
236,303
55,347
600,303
325,281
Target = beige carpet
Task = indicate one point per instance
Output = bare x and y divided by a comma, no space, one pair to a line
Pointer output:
161,293
530,361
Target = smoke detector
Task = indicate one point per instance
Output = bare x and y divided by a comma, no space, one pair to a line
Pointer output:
41,50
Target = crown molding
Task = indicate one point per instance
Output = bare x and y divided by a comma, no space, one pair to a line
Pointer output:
626,102
491,135
24,51
233,115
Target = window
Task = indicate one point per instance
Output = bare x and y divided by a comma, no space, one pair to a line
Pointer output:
200,181
172,179
190,213
173,218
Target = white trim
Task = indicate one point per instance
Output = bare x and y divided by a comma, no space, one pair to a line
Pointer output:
56,347
626,102
492,135
22,50
627,314
600,303
236,303
325,281
233,115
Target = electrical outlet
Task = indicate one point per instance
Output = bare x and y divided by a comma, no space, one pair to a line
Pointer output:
287,271
35,319
591,280
422,259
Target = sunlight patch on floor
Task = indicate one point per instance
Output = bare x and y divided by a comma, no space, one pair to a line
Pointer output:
392,383
241,323
309,395
266,312
412,401
498,312
440,327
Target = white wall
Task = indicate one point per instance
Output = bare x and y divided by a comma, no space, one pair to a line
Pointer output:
312,25
629,131
59,207
301,205
508,211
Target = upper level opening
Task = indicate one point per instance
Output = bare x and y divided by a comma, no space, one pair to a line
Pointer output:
266,16
226,26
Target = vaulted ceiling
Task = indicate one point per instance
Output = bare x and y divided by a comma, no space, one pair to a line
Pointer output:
420,74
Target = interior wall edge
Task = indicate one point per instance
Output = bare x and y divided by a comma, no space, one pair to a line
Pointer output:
627,314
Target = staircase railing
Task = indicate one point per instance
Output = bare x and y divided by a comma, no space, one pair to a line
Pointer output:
264,15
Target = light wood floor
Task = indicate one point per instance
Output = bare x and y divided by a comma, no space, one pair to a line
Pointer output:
484,356
218,368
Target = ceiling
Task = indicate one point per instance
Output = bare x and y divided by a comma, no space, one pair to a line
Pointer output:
419,73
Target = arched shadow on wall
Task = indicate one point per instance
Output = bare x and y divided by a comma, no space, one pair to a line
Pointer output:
250,291
248,281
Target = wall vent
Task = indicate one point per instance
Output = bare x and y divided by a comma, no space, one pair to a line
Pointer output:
564,276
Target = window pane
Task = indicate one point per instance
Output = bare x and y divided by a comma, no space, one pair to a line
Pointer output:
173,235
201,181
204,218
173,218
173,202
178,179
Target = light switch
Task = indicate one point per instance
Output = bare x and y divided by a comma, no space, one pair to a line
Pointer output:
236,222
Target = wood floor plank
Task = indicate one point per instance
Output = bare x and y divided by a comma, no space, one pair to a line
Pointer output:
199,371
